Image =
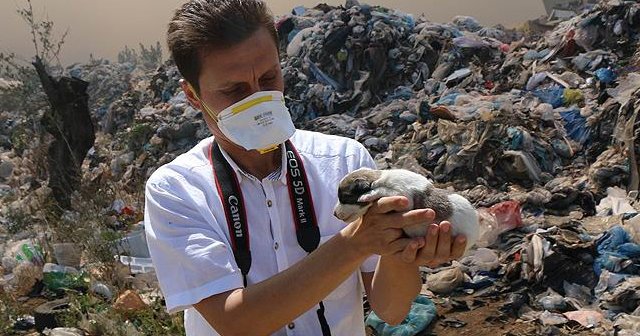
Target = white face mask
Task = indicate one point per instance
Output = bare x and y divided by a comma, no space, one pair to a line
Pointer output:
260,121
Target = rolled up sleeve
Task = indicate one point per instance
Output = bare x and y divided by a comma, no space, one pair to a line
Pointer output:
191,258
366,161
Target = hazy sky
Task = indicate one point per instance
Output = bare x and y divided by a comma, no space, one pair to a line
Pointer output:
105,27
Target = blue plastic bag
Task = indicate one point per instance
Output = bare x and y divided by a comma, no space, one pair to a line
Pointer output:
616,248
605,75
576,126
449,99
421,314
553,95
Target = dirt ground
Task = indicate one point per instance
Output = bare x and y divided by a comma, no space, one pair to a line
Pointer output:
487,320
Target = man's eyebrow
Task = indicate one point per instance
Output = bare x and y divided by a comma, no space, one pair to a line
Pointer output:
272,70
229,84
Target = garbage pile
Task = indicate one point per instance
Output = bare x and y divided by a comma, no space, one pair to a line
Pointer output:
538,132
527,129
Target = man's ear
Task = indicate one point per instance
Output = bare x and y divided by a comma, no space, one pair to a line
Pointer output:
191,94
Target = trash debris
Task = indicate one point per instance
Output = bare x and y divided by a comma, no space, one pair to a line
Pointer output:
616,203
67,254
63,332
24,322
134,244
137,265
47,314
552,301
587,318
482,260
497,219
102,290
617,253
627,325
421,314
22,251
552,319
453,323
56,278
445,281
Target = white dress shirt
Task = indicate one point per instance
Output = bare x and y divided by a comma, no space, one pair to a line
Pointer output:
190,244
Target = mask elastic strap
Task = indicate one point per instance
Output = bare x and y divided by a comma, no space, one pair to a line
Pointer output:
204,105
267,150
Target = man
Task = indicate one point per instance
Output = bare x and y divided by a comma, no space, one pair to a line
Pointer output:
241,228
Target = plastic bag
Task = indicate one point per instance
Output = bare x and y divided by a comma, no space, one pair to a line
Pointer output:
67,254
57,277
497,219
572,96
26,251
482,260
576,126
605,75
421,314
553,95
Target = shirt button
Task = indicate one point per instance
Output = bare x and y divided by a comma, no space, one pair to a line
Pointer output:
269,203
276,245
291,325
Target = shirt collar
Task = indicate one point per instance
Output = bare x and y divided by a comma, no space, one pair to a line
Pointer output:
277,175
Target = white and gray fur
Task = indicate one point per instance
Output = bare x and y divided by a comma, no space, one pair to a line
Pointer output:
359,189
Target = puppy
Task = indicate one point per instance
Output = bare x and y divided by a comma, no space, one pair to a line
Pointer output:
359,189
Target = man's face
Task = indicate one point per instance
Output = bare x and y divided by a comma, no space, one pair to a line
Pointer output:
230,75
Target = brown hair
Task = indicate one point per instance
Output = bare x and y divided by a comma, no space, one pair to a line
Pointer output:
201,25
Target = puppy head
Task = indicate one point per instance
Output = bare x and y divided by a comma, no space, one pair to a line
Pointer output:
353,192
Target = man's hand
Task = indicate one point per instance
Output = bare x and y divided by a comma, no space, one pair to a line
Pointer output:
437,248
379,231
440,246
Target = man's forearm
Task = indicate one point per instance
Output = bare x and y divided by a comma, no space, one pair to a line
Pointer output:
394,287
266,307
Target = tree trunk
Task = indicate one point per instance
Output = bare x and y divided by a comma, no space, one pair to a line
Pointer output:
69,121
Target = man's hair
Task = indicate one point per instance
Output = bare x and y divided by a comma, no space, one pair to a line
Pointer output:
202,25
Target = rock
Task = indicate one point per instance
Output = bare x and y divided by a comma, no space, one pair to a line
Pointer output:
102,290
628,323
129,301
6,169
190,113
25,276
9,263
147,112
156,140
119,163
176,132
186,130
376,144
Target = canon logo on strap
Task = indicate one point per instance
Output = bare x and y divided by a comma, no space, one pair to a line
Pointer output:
235,215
